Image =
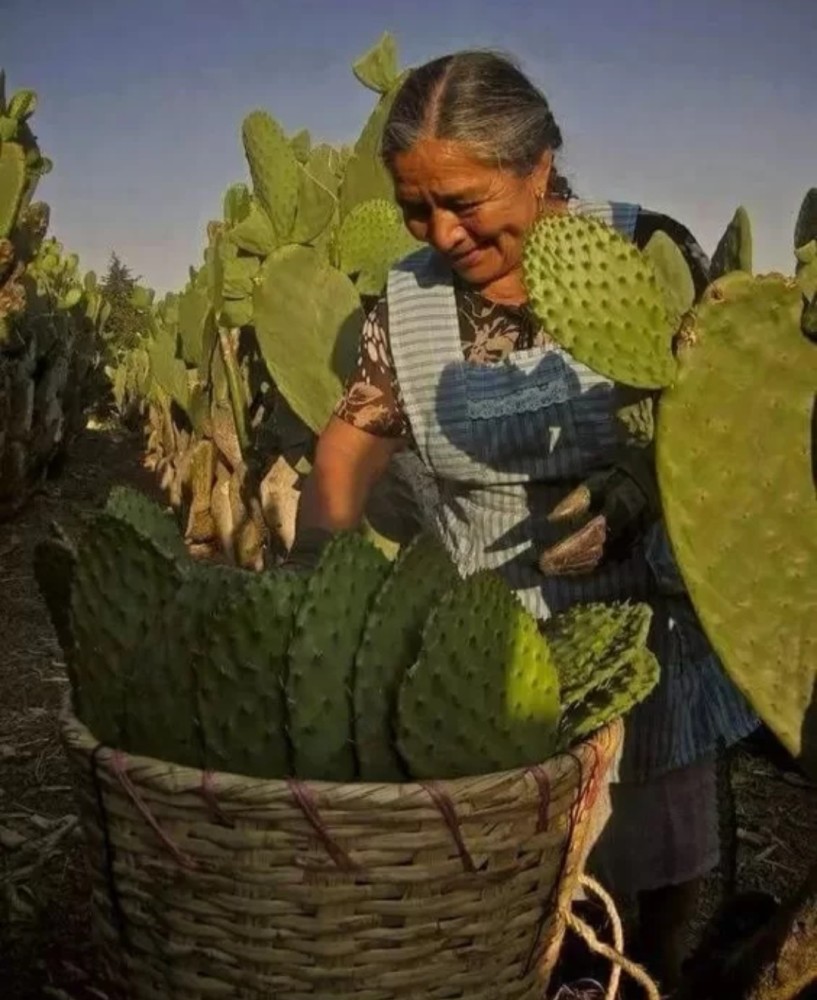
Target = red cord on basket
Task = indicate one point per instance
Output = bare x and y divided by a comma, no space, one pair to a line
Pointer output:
118,759
306,803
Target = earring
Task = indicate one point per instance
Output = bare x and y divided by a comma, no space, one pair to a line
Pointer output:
541,200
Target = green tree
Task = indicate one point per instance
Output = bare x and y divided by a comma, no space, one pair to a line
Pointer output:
126,324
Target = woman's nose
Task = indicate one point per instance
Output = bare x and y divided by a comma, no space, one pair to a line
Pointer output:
444,231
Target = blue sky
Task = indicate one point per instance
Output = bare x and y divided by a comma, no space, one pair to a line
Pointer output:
689,107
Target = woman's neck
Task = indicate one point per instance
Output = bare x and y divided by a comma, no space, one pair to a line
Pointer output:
509,290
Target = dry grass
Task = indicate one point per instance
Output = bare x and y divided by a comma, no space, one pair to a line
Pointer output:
46,949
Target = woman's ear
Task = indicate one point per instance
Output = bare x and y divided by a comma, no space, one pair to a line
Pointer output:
542,171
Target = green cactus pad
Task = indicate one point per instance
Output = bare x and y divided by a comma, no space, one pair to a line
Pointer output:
254,233
239,277
236,204
274,171
161,712
805,229
735,472
307,322
55,562
301,144
806,275
154,523
372,239
12,185
193,312
169,371
22,105
734,249
228,632
483,695
328,631
378,68
236,312
366,177
591,643
421,574
599,298
122,584
672,273
634,680
317,196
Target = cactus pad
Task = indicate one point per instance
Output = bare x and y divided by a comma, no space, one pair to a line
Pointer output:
244,623
372,239
12,185
151,521
633,681
422,572
734,249
317,196
274,170
735,472
483,695
328,629
599,298
307,323
592,643
805,228
122,583
672,273
254,232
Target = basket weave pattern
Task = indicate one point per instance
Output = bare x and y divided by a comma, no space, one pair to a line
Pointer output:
215,885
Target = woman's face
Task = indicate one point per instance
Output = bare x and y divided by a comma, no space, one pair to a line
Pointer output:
475,215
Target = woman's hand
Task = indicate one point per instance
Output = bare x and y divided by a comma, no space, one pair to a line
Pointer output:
612,508
348,463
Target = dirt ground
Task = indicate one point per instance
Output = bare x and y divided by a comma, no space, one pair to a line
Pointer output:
46,948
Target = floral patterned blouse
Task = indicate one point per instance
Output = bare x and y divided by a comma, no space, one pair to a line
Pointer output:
489,332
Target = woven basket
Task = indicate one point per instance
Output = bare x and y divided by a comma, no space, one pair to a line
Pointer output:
211,885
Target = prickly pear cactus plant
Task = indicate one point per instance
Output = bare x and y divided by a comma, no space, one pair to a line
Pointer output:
51,320
267,328
734,440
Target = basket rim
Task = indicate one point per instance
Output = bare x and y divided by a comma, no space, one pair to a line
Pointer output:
604,742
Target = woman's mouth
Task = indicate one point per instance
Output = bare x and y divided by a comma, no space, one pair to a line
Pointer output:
466,259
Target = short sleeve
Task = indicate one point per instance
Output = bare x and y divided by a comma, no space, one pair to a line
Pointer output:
371,399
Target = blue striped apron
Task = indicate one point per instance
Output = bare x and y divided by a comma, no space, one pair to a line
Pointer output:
503,443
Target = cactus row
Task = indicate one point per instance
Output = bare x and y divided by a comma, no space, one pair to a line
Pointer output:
240,369
51,317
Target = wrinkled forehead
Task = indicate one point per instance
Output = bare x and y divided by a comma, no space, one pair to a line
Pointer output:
439,169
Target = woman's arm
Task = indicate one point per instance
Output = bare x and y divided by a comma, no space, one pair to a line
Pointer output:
348,463
354,450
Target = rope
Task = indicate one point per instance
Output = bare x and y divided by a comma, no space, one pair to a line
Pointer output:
615,954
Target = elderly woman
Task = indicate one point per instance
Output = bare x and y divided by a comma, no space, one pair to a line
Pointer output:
454,365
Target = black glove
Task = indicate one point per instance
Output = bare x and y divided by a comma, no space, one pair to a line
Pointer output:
612,509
